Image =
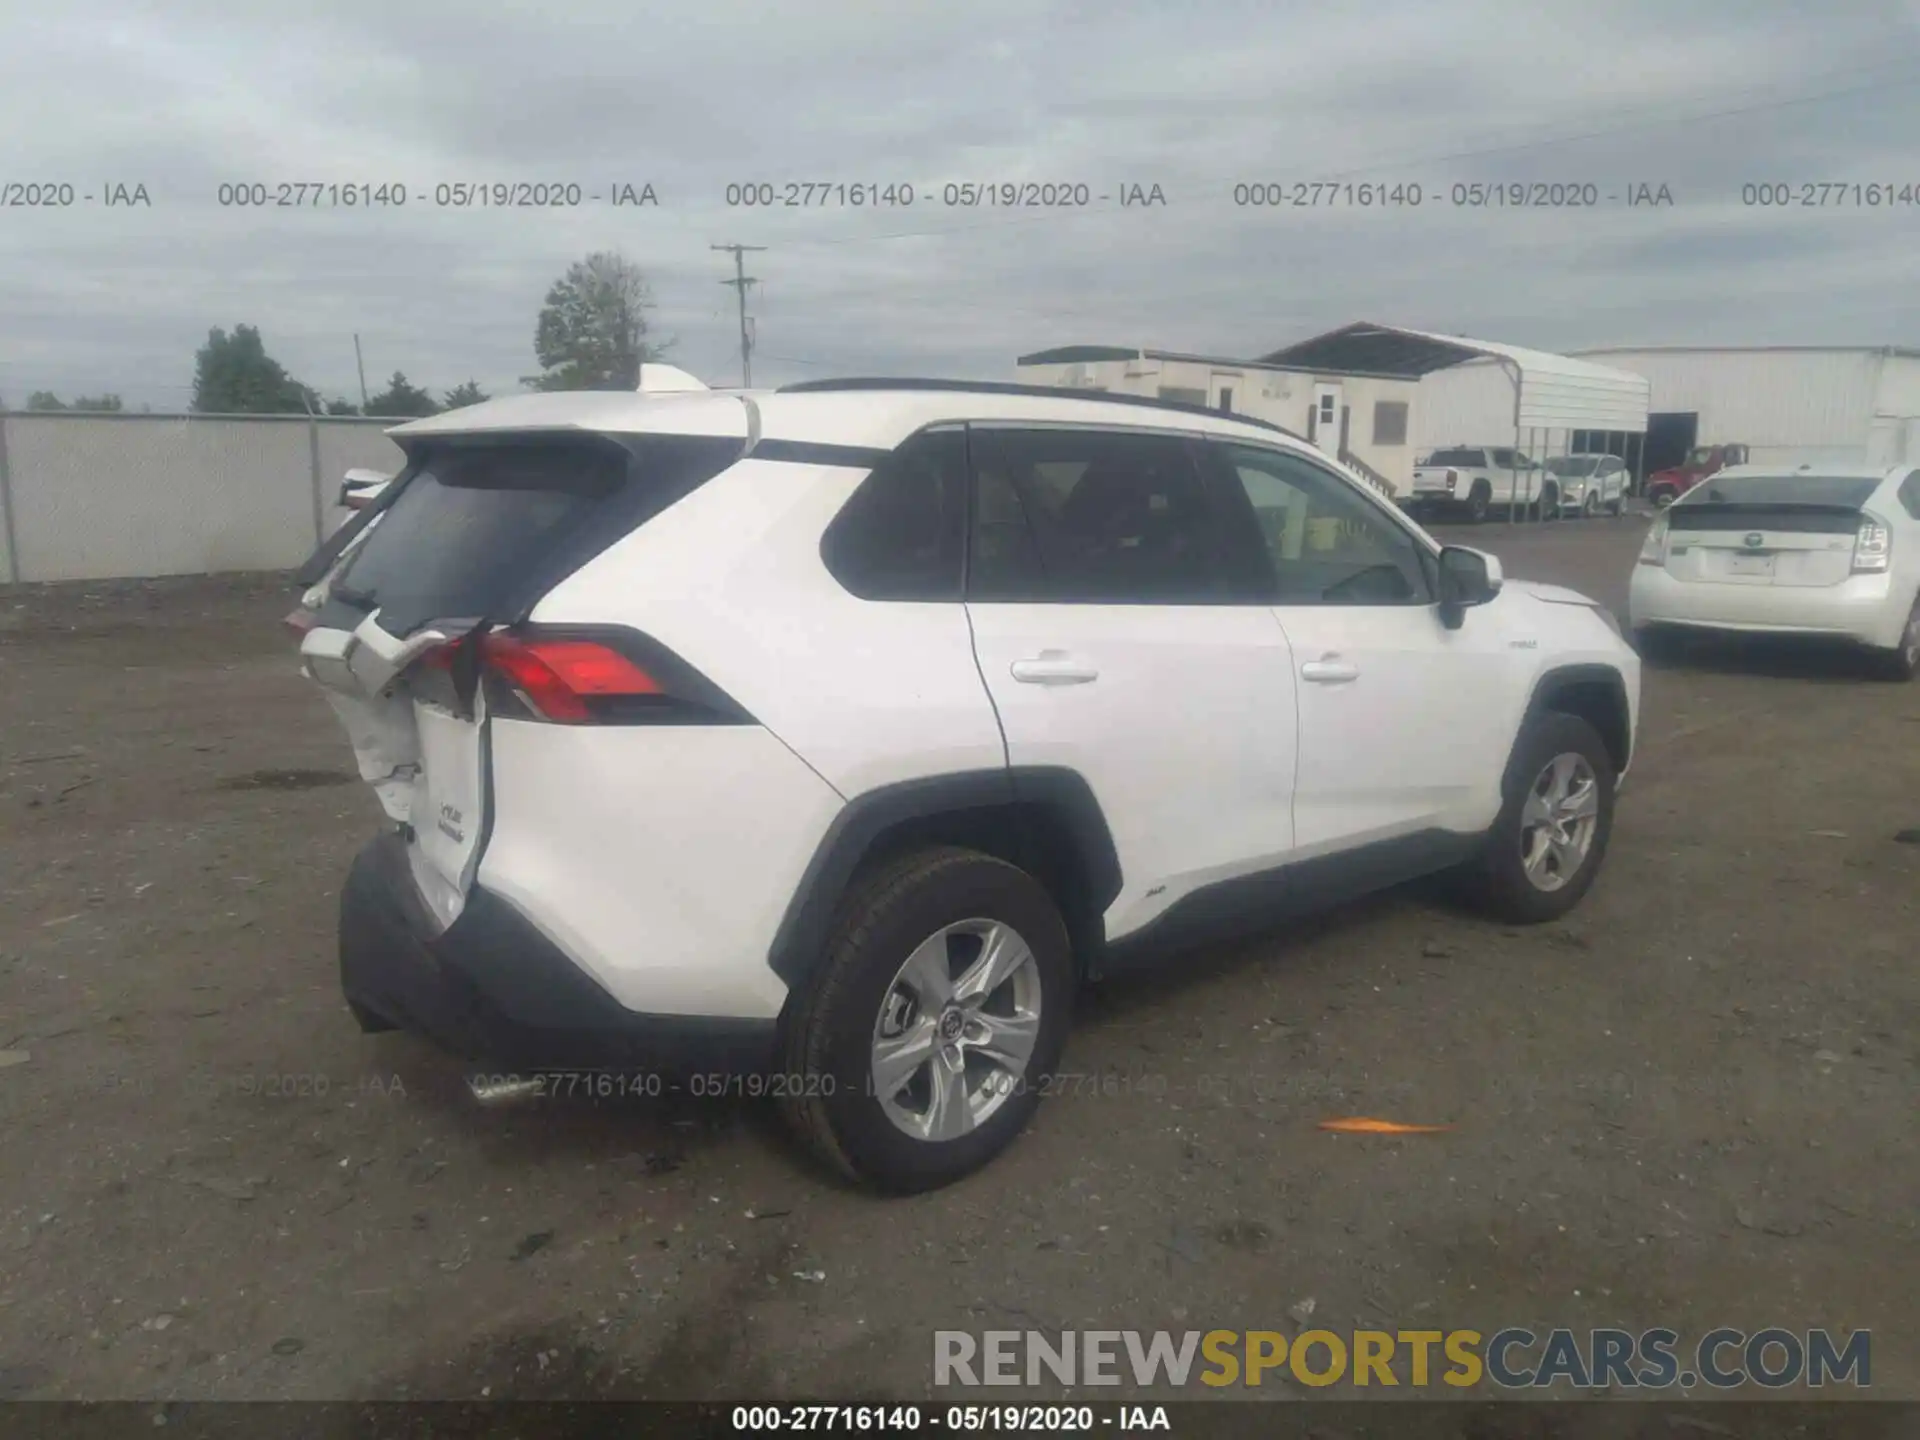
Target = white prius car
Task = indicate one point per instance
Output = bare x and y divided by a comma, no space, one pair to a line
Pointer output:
819,743
1821,551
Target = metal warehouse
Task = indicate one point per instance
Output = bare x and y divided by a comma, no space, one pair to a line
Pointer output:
1854,405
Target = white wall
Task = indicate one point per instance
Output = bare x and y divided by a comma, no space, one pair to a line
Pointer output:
98,497
1897,412
1470,404
1281,397
1783,404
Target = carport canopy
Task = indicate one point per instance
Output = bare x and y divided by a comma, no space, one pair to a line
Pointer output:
1551,392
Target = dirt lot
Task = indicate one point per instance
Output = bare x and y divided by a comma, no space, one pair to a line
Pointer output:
1691,1106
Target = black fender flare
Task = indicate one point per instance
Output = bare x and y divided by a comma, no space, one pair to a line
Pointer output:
800,942
1555,682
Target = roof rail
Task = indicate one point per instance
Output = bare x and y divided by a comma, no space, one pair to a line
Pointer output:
1045,392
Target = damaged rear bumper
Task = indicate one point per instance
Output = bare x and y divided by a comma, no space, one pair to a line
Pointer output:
494,991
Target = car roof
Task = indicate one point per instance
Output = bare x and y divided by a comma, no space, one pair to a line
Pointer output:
1835,471
873,413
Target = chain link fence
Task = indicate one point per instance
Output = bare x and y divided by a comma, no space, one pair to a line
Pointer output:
94,496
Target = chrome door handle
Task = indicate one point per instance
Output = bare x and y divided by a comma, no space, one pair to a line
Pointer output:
1053,668
1329,672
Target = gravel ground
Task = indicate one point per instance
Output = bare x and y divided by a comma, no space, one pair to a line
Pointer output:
1690,1105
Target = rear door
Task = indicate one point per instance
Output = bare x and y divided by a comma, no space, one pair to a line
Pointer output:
1117,635
479,527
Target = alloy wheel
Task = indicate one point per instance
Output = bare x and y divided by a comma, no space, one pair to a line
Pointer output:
956,1029
1558,822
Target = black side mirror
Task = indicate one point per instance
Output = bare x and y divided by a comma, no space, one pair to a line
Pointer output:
1467,578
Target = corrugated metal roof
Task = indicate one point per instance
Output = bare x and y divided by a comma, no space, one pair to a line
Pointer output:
1907,352
1557,392
1091,354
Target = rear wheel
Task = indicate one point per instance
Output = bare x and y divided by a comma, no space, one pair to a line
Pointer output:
1902,663
1550,502
919,1051
1479,499
1547,845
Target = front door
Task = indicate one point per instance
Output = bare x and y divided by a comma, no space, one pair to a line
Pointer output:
1118,638
1393,706
1326,417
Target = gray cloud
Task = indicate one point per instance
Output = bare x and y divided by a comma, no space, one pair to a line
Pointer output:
1194,97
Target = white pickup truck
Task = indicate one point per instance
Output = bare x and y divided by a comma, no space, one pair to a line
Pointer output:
1474,480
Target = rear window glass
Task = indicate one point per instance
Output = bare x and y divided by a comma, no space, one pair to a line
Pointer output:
476,524
1848,490
1468,458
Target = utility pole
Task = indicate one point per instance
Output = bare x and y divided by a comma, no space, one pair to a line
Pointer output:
361,365
741,280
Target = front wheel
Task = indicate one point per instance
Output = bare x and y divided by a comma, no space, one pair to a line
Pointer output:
1546,847
921,1048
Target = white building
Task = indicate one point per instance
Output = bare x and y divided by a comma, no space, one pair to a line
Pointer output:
1856,406
1364,420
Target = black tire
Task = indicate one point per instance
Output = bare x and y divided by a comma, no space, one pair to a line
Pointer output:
1902,663
1549,502
1479,500
829,1100
1498,880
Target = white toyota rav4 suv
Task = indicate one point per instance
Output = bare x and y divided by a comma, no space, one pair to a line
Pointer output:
826,739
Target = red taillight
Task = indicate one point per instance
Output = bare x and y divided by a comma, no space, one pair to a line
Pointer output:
557,677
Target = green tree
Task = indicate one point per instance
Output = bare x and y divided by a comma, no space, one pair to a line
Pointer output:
401,398
234,375
593,332
468,392
108,403
45,400
342,407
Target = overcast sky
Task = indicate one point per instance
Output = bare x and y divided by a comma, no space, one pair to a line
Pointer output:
1192,95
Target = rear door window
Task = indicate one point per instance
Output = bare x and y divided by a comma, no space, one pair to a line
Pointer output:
1097,518
483,526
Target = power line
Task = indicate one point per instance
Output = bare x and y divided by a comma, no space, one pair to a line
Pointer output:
741,280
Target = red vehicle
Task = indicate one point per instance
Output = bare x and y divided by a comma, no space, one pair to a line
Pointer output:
1666,486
